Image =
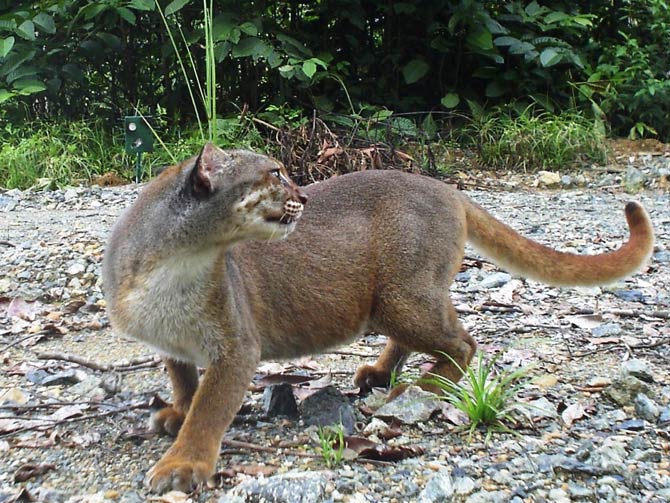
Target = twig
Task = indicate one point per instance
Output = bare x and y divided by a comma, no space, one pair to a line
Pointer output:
243,446
33,427
102,367
22,340
7,243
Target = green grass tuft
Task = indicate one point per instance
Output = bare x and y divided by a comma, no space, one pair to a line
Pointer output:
488,398
532,142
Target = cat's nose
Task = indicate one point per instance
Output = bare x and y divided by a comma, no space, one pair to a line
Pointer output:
302,197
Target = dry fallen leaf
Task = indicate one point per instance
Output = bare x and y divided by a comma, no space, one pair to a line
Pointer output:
28,471
572,413
586,321
172,497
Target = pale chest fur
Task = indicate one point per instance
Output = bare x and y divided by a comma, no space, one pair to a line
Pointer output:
168,309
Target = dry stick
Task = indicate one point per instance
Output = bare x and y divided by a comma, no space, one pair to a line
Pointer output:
102,367
73,419
628,347
22,340
237,444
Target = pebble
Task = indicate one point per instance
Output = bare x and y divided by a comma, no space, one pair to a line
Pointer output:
646,408
291,487
638,368
412,406
439,488
606,330
495,280
328,407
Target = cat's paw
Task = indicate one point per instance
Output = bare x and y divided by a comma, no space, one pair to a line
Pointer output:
175,473
167,420
369,376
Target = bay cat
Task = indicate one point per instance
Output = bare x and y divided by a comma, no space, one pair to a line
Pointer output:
223,261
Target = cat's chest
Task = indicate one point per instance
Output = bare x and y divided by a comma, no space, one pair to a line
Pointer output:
168,310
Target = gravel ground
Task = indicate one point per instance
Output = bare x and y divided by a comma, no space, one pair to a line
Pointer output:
76,430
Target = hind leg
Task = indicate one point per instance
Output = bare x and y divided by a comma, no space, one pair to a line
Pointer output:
379,375
432,327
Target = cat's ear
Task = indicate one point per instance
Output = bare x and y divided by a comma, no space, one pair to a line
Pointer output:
203,175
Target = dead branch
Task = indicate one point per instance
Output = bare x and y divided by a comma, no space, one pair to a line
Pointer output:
141,362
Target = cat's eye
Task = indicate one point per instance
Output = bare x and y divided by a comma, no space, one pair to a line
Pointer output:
275,173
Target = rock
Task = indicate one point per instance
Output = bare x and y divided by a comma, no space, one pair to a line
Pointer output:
646,408
14,396
439,488
610,456
558,495
7,203
541,408
548,178
278,400
70,194
90,388
630,295
662,256
624,389
375,427
638,368
328,407
606,330
413,406
664,418
291,487
579,492
566,180
495,280
464,485
631,425
580,180
489,497
633,179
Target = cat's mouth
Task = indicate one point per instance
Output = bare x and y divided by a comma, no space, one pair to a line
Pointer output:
292,211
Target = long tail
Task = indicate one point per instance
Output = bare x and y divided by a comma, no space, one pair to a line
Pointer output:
529,259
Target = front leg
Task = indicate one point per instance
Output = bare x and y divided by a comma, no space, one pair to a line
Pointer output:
192,458
184,379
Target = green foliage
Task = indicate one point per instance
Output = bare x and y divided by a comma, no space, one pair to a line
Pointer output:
331,445
631,78
61,153
505,138
105,58
487,397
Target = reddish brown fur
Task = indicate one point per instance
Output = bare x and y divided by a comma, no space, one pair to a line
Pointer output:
374,251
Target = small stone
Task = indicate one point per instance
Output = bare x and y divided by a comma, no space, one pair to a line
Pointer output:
439,488
633,179
70,194
495,280
278,400
631,425
624,389
646,408
464,485
328,407
14,396
664,417
606,330
548,178
76,269
662,257
610,456
541,407
290,487
558,495
630,295
413,406
579,492
639,368
375,426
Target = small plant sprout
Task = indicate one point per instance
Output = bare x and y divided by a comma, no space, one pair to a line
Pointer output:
487,397
331,444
